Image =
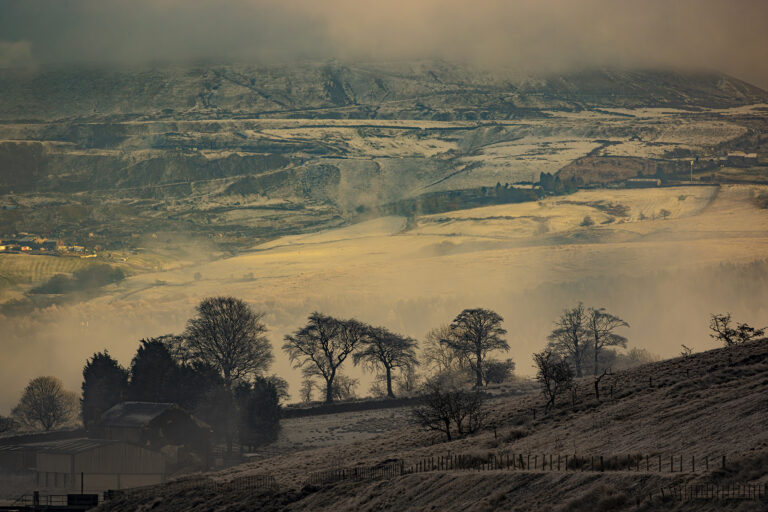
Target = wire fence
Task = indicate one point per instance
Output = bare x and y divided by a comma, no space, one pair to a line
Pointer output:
378,472
755,492
550,462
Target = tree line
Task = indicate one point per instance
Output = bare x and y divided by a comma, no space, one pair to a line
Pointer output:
218,368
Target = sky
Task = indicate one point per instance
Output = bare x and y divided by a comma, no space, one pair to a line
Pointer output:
529,36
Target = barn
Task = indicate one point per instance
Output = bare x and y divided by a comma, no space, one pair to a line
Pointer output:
101,464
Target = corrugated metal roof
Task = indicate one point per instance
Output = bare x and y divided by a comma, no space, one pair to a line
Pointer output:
67,445
133,414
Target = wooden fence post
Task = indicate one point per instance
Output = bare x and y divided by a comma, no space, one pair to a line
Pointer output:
602,464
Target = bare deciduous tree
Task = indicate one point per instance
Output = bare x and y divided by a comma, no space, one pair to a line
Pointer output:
445,410
46,404
307,389
474,333
601,326
8,424
228,335
569,337
723,330
554,374
322,345
440,359
385,350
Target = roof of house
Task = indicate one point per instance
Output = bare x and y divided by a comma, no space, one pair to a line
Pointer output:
133,414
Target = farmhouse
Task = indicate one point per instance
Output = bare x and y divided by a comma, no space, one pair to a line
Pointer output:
165,427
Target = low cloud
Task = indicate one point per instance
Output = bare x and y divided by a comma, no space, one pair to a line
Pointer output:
524,36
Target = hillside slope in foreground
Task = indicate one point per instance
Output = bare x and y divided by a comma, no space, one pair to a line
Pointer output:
707,406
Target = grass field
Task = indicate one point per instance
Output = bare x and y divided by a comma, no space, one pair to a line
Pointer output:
34,268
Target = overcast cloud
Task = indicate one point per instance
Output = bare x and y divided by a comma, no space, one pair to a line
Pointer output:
529,36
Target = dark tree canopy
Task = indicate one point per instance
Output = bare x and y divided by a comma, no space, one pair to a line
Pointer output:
474,333
105,383
259,408
228,335
46,404
383,350
154,374
322,345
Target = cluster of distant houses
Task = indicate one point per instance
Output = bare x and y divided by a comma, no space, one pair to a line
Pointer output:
738,159
135,444
38,245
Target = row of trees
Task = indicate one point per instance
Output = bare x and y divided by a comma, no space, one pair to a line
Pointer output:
321,347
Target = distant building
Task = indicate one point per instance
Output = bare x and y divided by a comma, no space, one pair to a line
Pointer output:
741,159
643,182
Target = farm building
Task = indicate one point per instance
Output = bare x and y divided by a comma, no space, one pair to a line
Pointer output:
165,427
740,158
101,463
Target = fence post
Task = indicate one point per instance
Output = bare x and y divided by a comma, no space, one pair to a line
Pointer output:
558,462
535,462
671,464
693,463
602,464
681,463
723,466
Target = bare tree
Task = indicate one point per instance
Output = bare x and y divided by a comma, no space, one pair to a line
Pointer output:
601,326
569,337
448,409
46,404
8,424
723,330
440,359
344,387
474,333
228,335
554,374
385,350
323,345
306,390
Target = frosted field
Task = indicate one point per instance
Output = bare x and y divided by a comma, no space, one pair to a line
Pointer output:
413,280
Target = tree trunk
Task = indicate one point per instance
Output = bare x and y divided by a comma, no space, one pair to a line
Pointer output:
390,394
328,391
597,348
479,382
